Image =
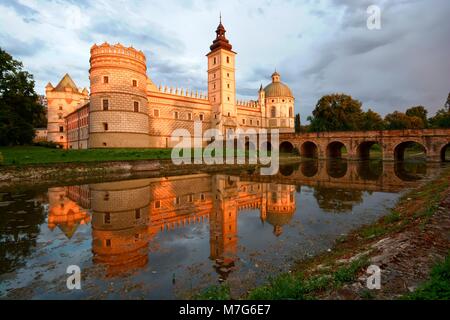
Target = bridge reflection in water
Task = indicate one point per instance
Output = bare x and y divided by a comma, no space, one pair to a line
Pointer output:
128,215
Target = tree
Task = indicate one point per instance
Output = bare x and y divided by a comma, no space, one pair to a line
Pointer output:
297,123
372,121
441,119
336,112
419,112
447,103
19,108
399,121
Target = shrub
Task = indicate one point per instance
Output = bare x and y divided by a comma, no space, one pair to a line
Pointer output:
47,144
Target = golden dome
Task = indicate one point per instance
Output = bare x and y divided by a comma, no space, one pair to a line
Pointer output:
279,219
277,88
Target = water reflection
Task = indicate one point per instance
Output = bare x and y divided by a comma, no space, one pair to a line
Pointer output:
129,219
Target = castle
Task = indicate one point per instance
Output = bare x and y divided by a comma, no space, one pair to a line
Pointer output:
125,109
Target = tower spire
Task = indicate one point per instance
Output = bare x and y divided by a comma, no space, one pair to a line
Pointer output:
221,42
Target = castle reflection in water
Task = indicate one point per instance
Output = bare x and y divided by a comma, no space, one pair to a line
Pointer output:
125,216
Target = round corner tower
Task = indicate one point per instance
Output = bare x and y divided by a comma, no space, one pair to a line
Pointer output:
118,102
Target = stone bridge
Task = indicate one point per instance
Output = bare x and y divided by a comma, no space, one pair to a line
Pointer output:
358,175
393,143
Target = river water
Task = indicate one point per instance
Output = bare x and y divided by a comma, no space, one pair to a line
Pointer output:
167,238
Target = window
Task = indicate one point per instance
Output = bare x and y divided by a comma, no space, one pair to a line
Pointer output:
177,200
105,126
228,59
189,116
60,116
201,116
214,85
190,198
251,122
61,129
61,138
135,83
106,197
228,85
229,114
228,98
228,74
215,60
156,113
214,75
175,115
105,79
137,214
157,204
104,144
105,104
202,196
273,112
290,112
107,218
243,121
136,106
108,242
60,107
257,122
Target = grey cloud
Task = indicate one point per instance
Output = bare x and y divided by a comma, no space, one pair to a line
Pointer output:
120,32
17,47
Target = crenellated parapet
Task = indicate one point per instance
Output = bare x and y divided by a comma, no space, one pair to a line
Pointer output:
181,92
106,54
247,104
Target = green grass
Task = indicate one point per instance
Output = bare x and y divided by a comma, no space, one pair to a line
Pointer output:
437,287
29,155
40,155
221,292
293,286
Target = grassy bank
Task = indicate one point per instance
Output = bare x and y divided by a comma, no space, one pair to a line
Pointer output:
32,155
322,276
40,155
437,287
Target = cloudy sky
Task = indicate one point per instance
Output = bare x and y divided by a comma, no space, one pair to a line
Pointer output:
319,47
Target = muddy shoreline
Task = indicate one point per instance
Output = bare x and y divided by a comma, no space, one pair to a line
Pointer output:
72,173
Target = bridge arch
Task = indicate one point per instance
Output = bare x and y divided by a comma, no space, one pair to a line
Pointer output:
400,148
309,150
444,151
363,149
286,147
337,169
309,168
334,149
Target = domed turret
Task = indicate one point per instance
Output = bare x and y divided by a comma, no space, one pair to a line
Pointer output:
280,207
279,102
277,88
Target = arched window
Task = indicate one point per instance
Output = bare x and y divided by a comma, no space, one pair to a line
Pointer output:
290,112
273,112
